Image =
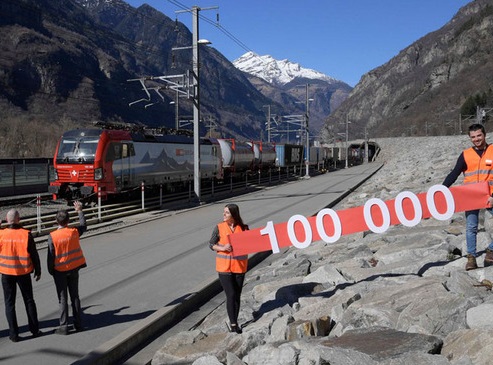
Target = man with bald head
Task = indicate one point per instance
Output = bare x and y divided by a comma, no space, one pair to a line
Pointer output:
18,259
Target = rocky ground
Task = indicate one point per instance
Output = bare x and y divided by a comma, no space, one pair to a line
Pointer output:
401,297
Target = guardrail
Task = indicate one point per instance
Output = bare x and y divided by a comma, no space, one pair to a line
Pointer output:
43,224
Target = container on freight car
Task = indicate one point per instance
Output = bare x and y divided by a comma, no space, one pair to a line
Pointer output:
289,155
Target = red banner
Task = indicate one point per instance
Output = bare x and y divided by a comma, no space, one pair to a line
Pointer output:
376,215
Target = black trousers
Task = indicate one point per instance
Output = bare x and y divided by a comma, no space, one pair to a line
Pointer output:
232,285
9,284
67,283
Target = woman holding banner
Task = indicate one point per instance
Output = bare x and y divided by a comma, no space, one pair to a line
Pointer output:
231,268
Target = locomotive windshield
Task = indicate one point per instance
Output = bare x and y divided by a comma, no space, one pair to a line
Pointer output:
77,149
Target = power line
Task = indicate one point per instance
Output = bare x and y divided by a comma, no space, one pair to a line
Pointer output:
220,28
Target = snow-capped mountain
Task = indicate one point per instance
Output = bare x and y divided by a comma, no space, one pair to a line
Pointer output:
279,72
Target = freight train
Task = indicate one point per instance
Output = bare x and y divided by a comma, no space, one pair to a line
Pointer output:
115,161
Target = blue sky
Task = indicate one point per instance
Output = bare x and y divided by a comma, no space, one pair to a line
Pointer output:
341,38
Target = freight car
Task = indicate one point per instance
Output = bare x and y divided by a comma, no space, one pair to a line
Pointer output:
331,158
264,154
294,156
289,155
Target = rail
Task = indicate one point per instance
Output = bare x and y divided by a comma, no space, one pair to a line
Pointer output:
42,224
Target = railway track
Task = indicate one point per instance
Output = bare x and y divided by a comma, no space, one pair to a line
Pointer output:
40,218
23,199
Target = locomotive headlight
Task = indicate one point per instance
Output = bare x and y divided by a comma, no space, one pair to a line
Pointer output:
56,174
98,173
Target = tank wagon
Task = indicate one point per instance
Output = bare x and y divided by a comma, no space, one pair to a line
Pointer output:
264,154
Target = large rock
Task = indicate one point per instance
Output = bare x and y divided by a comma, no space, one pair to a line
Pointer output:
480,317
305,353
327,275
474,345
383,343
190,346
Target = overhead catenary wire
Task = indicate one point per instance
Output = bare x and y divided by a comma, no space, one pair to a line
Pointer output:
222,29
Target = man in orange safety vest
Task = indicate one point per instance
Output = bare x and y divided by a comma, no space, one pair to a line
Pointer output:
65,259
18,259
476,163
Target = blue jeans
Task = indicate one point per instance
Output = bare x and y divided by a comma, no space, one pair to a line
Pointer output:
472,218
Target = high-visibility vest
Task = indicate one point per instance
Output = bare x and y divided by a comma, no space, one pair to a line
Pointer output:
68,253
479,168
227,261
14,256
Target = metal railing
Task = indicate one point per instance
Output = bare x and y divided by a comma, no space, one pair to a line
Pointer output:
43,224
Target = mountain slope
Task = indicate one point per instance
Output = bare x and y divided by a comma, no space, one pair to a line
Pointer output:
420,91
65,64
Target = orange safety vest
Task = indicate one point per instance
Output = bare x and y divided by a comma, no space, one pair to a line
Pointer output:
226,261
479,168
14,257
68,253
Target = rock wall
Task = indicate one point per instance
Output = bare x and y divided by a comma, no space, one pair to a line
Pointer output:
420,91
